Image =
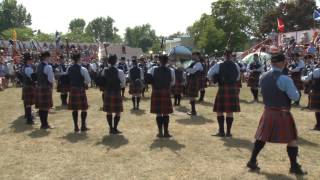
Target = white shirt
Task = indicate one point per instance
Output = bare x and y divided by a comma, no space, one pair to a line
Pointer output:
94,67
216,69
84,72
312,75
28,71
173,75
121,76
197,67
49,72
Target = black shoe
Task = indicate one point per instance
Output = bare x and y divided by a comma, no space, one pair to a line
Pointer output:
47,127
84,129
76,130
111,131
30,123
167,135
160,135
192,113
253,166
220,134
116,131
297,169
228,135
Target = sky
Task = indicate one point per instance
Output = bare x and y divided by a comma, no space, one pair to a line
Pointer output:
165,16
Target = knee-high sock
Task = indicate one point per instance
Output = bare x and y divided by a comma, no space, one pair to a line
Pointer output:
317,119
193,106
179,99
41,118
122,91
138,102
75,119
28,114
83,120
202,93
221,124
175,99
45,116
133,101
258,146
109,119
116,122
159,124
292,153
229,121
166,120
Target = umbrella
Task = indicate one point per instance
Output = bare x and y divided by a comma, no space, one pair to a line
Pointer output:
180,53
263,57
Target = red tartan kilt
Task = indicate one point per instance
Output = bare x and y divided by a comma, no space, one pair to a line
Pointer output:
63,88
177,89
253,80
77,99
276,126
135,89
314,100
193,87
297,81
161,101
227,99
112,102
44,98
203,82
29,95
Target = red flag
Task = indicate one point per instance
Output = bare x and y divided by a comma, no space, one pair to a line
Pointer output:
280,25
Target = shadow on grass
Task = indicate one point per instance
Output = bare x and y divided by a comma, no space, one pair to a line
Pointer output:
182,109
171,144
114,141
205,103
237,143
19,125
139,112
39,133
195,120
305,142
279,176
75,137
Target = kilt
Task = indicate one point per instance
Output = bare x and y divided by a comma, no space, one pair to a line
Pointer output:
29,95
177,89
203,81
77,99
253,80
62,88
227,99
193,87
44,97
314,103
112,102
276,126
135,88
161,101
296,77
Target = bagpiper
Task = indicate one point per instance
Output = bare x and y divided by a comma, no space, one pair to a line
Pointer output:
255,69
62,79
227,75
193,76
112,100
295,71
203,81
45,80
277,124
162,80
136,78
29,87
122,65
177,89
79,79
313,78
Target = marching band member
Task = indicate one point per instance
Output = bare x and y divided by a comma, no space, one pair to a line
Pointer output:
203,80
295,70
227,75
79,79
277,123
45,80
163,79
255,69
122,65
177,89
193,77
112,100
62,78
28,87
136,78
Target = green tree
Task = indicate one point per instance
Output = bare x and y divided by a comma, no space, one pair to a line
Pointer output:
13,15
143,37
206,35
103,29
77,25
23,34
296,16
230,16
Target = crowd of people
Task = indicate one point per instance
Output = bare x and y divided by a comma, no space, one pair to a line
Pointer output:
280,81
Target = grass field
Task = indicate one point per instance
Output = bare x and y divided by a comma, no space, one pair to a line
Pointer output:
29,153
